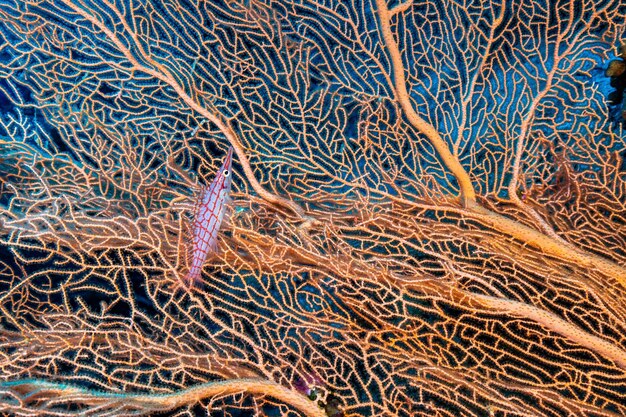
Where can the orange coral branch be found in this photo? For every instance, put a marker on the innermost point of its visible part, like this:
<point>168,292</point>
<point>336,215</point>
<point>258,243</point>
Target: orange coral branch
<point>468,194</point>
<point>555,323</point>
<point>57,394</point>
<point>549,245</point>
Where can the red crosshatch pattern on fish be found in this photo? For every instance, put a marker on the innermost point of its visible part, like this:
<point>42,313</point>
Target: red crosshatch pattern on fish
<point>208,218</point>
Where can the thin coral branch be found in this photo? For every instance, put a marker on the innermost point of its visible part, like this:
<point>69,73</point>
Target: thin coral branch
<point>400,7</point>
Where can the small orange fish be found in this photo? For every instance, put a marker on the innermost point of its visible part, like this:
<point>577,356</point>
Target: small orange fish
<point>208,219</point>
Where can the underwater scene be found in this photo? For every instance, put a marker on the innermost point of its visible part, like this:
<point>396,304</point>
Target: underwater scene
<point>313,208</point>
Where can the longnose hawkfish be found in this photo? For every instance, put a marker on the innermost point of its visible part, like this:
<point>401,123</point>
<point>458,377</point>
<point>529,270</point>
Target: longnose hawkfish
<point>208,218</point>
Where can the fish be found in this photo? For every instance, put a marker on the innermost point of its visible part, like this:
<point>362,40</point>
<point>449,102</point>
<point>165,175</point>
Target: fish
<point>209,214</point>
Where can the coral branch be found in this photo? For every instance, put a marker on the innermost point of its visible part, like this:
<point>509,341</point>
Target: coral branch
<point>551,246</point>
<point>400,7</point>
<point>51,396</point>
<point>468,194</point>
<point>554,323</point>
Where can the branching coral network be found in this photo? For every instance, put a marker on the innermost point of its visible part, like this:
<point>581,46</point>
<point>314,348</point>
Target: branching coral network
<point>429,213</point>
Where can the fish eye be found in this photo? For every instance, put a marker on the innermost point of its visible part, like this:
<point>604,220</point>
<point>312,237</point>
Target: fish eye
<point>226,173</point>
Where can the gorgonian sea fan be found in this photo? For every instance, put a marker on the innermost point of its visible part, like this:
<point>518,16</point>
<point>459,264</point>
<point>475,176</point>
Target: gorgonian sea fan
<point>428,219</point>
